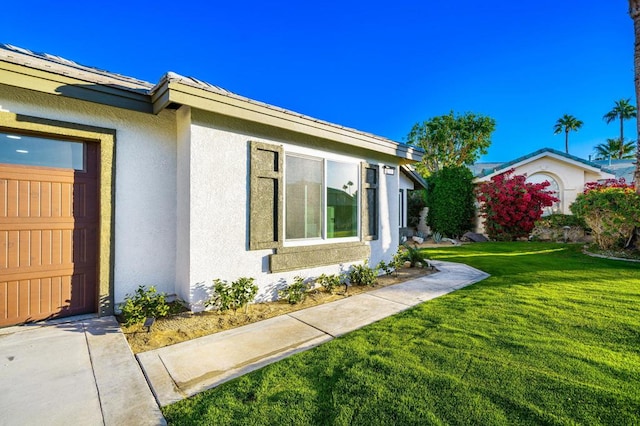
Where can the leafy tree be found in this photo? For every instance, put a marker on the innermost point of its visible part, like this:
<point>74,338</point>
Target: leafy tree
<point>622,110</point>
<point>511,205</point>
<point>451,201</point>
<point>451,140</point>
<point>634,12</point>
<point>566,124</point>
<point>614,148</point>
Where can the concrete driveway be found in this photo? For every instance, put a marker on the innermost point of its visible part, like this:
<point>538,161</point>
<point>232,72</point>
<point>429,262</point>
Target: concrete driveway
<point>80,372</point>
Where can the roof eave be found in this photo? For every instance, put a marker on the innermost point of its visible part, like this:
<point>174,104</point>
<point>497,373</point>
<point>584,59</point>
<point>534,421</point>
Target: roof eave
<point>44,81</point>
<point>174,90</point>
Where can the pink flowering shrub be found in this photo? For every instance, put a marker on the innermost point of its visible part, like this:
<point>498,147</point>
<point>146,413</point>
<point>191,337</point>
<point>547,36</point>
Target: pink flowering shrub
<point>511,206</point>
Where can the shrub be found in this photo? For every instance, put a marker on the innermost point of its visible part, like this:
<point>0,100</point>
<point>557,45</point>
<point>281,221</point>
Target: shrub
<point>416,202</point>
<point>386,267</point>
<point>557,220</point>
<point>437,237</point>
<point>451,201</point>
<point>232,296</point>
<point>511,206</point>
<point>296,292</point>
<point>329,282</point>
<point>144,303</point>
<point>612,213</point>
<point>363,274</point>
<point>413,255</point>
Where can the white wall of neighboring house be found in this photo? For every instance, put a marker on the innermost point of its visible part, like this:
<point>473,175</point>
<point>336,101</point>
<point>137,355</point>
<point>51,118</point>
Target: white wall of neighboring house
<point>145,182</point>
<point>571,177</point>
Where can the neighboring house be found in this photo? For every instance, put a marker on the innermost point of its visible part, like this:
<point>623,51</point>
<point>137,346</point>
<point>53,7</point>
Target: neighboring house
<point>566,173</point>
<point>109,183</point>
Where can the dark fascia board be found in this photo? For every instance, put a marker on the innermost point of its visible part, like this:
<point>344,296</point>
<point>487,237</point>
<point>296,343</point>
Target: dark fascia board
<point>174,90</point>
<point>25,77</point>
<point>414,176</point>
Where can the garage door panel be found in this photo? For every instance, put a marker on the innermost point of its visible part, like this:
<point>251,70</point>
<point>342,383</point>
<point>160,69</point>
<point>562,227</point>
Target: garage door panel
<point>46,297</point>
<point>48,241</point>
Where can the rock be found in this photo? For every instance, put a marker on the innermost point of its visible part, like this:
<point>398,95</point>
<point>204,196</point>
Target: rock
<point>418,240</point>
<point>475,238</point>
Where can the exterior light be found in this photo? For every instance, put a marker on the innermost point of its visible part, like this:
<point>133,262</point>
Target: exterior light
<point>389,170</point>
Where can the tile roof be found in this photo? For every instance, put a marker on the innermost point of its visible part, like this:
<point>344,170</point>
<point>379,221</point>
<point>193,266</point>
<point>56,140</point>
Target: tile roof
<point>58,65</point>
<point>485,169</point>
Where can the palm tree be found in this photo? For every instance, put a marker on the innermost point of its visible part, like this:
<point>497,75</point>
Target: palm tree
<point>614,148</point>
<point>623,110</point>
<point>565,124</point>
<point>634,11</point>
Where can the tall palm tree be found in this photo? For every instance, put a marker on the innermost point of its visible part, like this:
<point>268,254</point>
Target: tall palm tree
<point>565,124</point>
<point>634,11</point>
<point>623,110</point>
<point>614,148</point>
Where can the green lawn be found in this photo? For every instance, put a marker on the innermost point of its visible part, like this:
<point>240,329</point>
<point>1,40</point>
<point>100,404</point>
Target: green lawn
<point>553,337</point>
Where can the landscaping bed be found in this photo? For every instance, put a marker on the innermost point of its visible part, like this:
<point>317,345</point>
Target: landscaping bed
<point>188,325</point>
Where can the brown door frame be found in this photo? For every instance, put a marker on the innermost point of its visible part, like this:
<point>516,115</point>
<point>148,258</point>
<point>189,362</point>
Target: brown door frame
<point>106,140</point>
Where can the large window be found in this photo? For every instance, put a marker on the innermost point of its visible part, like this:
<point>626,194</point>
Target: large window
<point>321,198</point>
<point>554,188</point>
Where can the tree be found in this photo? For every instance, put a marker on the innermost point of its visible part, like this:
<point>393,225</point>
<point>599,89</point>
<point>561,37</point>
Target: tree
<point>613,148</point>
<point>622,110</point>
<point>511,205</point>
<point>634,12</point>
<point>451,140</point>
<point>565,124</point>
<point>451,201</point>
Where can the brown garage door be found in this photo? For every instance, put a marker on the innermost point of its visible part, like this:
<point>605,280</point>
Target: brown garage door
<point>48,228</point>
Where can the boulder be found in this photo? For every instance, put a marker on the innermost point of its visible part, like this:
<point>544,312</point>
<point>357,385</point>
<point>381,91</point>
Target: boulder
<point>475,238</point>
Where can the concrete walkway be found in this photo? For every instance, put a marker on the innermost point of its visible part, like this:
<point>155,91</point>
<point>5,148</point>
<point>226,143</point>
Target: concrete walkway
<point>81,372</point>
<point>184,369</point>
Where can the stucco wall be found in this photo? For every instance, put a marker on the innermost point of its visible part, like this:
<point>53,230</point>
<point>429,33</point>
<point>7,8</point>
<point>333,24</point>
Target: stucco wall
<point>145,181</point>
<point>219,205</point>
<point>570,178</point>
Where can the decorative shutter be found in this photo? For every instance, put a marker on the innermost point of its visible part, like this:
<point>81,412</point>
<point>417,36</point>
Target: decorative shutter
<point>266,196</point>
<point>369,200</point>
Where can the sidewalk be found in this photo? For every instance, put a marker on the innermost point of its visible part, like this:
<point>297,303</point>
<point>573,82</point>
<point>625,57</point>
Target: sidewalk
<point>80,372</point>
<point>185,369</point>
<point>83,372</point>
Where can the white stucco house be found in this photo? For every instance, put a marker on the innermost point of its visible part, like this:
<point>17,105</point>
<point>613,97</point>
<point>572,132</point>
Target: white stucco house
<point>566,173</point>
<point>108,183</point>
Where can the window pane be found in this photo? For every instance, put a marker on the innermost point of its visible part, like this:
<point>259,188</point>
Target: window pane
<point>342,200</point>
<point>35,151</point>
<point>554,188</point>
<point>303,204</point>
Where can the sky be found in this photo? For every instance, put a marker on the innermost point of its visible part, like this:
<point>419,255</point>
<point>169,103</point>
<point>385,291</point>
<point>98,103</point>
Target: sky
<point>376,66</point>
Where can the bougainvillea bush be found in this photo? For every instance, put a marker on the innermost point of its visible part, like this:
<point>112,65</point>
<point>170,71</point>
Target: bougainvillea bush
<point>611,209</point>
<point>511,206</point>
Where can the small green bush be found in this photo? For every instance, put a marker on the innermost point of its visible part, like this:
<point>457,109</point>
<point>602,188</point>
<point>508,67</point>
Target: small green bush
<point>363,274</point>
<point>329,282</point>
<point>558,220</point>
<point>386,267</point>
<point>232,296</point>
<point>296,292</point>
<point>414,255</point>
<point>144,303</point>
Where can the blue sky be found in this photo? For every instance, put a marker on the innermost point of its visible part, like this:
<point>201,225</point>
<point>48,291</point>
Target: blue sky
<point>376,66</point>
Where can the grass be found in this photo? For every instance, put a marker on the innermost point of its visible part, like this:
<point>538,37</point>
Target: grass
<point>553,337</point>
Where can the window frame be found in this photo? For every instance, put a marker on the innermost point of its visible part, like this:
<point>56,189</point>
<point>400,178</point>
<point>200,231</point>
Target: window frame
<point>324,158</point>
